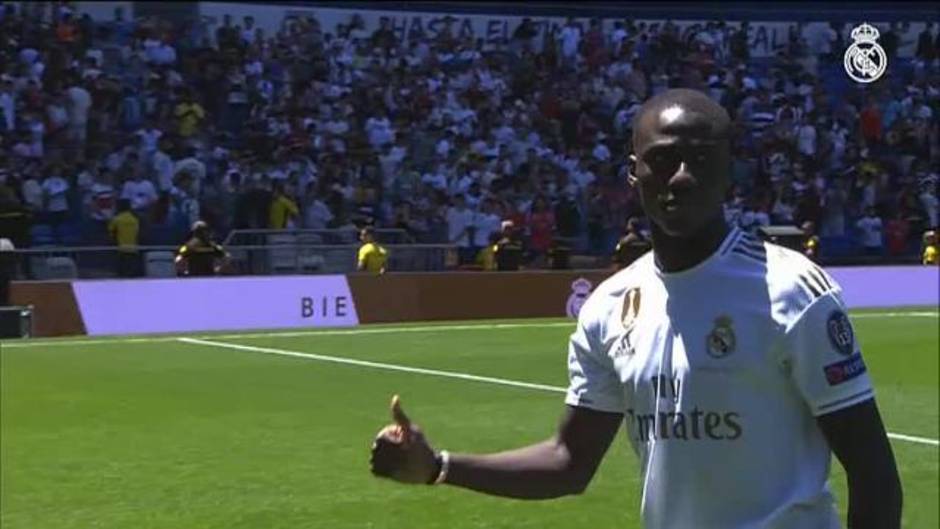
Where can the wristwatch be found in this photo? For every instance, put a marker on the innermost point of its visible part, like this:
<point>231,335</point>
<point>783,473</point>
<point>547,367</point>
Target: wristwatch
<point>442,461</point>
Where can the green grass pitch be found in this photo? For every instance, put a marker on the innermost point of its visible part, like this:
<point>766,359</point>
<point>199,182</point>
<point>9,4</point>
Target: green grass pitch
<point>169,434</point>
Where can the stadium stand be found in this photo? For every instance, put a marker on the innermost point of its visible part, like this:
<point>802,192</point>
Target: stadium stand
<point>202,117</point>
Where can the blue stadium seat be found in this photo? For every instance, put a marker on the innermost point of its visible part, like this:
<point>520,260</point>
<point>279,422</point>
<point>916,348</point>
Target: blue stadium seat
<point>41,235</point>
<point>70,234</point>
<point>838,246</point>
<point>95,233</point>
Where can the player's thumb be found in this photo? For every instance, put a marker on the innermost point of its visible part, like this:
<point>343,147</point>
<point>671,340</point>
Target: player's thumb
<point>398,415</point>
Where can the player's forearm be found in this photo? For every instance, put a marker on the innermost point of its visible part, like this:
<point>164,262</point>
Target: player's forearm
<point>875,500</point>
<point>541,471</point>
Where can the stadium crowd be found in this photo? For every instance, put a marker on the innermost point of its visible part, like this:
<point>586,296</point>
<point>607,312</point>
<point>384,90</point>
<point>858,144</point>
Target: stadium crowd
<point>444,137</point>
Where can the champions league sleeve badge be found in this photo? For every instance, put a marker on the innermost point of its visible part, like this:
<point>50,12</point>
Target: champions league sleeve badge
<point>721,341</point>
<point>840,332</point>
<point>865,61</point>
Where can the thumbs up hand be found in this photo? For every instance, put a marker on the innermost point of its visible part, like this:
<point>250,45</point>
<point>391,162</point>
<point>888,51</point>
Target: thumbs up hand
<point>400,451</point>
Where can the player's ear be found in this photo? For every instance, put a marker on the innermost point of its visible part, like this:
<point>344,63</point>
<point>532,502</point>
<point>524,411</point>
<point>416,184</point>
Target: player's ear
<point>631,170</point>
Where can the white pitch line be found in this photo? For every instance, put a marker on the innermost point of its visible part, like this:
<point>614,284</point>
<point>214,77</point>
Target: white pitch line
<point>377,365</point>
<point>914,439</point>
<point>295,334</point>
<point>438,373</point>
<point>360,331</point>
<point>919,314</point>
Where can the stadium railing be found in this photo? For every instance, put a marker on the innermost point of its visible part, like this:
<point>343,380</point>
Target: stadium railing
<point>102,262</point>
<point>312,236</point>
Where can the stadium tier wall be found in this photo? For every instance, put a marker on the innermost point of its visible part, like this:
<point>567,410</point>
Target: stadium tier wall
<point>148,306</point>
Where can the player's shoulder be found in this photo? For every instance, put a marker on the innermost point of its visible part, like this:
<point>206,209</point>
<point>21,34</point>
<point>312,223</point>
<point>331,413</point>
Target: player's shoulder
<point>608,295</point>
<point>795,282</point>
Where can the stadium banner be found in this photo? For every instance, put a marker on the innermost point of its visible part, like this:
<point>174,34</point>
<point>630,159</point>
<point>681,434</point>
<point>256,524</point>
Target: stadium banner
<point>888,286</point>
<point>766,38</point>
<point>214,304</point>
<point>255,303</point>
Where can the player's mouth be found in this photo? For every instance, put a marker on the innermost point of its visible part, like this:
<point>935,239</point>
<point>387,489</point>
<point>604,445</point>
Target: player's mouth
<point>672,205</point>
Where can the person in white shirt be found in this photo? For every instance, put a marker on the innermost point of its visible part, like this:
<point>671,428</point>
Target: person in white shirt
<point>486,223</point>
<point>601,152</point>
<point>163,170</point>
<point>7,106</point>
<point>54,190</point>
<point>140,192</point>
<point>79,105</point>
<point>149,138</point>
<point>871,232</point>
<point>317,214</point>
<point>806,138</point>
<point>194,166</point>
<point>436,178</point>
<point>460,229</point>
<point>731,362</point>
<point>32,193</point>
<point>570,37</point>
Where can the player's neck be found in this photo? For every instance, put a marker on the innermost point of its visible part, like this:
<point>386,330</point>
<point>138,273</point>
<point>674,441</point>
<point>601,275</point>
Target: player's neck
<point>675,254</point>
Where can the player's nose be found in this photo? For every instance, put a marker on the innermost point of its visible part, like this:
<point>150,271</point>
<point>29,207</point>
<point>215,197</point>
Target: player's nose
<point>682,181</point>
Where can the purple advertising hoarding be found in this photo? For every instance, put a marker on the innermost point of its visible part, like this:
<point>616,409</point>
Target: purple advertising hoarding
<point>215,304</point>
<point>888,286</point>
<point>254,303</point>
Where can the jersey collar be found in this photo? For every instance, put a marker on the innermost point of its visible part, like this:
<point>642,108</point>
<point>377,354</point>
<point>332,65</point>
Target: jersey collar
<point>723,249</point>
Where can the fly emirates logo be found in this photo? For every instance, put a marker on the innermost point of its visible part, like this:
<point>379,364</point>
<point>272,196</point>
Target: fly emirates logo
<point>690,425</point>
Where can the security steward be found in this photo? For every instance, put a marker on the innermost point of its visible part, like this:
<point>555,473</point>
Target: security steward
<point>508,252</point>
<point>201,256</point>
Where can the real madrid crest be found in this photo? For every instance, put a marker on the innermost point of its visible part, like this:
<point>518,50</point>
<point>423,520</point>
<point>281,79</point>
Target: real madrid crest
<point>865,61</point>
<point>721,341</point>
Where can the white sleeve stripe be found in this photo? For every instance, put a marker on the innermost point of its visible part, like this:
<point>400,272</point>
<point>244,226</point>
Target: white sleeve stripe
<point>845,400</point>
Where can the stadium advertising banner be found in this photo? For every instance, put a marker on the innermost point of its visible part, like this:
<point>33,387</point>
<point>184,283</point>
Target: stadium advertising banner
<point>214,304</point>
<point>766,38</point>
<point>888,286</point>
<point>257,303</point>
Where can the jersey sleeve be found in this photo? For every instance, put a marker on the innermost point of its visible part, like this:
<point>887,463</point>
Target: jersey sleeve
<point>825,359</point>
<point>592,380</point>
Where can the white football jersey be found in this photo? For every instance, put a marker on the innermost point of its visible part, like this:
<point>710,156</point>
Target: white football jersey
<point>720,371</point>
